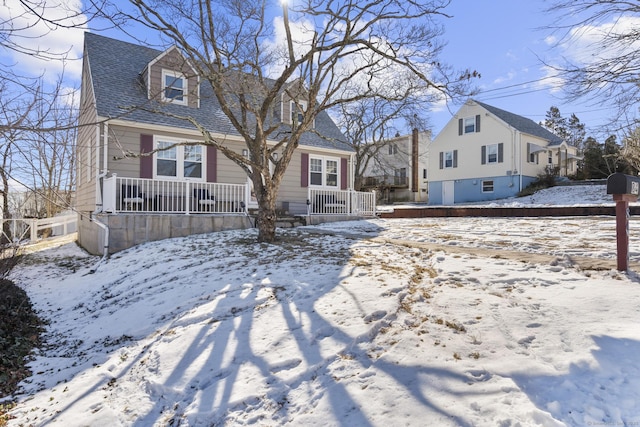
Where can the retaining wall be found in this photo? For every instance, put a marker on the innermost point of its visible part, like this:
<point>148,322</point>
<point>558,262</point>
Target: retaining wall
<point>472,211</point>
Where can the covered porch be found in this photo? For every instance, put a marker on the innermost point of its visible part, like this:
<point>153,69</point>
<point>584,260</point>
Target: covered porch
<point>152,196</point>
<point>139,210</point>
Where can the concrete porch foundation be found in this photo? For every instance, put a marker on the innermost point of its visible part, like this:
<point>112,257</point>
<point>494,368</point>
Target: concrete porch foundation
<point>128,230</point>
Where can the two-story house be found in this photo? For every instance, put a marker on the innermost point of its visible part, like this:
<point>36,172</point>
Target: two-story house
<point>398,172</point>
<point>485,153</point>
<point>132,102</point>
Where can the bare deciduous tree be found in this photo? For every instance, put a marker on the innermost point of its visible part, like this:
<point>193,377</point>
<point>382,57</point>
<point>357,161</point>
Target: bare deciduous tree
<point>330,53</point>
<point>631,148</point>
<point>38,119</point>
<point>368,124</point>
<point>607,66</point>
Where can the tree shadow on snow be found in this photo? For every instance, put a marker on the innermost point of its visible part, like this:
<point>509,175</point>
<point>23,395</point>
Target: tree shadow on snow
<point>604,392</point>
<point>211,394</point>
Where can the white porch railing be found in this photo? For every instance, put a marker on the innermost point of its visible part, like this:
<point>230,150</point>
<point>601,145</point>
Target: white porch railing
<point>186,197</point>
<point>341,202</point>
<point>163,196</point>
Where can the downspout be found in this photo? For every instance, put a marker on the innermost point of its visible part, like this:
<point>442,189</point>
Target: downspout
<point>513,154</point>
<point>352,175</point>
<point>520,156</point>
<point>99,177</point>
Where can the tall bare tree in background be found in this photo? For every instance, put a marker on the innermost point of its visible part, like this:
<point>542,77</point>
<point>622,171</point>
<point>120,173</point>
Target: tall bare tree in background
<point>48,155</point>
<point>38,118</point>
<point>336,52</point>
<point>368,124</point>
<point>607,69</point>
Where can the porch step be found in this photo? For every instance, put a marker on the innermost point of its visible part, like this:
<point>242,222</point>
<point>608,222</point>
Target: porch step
<point>291,221</point>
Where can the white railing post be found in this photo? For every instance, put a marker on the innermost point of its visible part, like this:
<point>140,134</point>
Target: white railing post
<point>34,230</point>
<point>109,194</point>
<point>247,196</point>
<point>187,198</point>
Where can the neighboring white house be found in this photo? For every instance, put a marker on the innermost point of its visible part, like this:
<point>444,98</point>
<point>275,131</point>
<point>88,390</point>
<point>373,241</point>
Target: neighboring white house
<point>399,170</point>
<point>485,153</point>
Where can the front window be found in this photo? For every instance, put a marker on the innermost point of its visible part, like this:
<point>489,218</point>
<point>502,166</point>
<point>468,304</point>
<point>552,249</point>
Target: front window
<point>323,171</point>
<point>393,148</point>
<point>332,173</point>
<point>487,186</point>
<point>492,153</point>
<point>315,168</point>
<point>166,159</point>
<point>174,87</point>
<point>469,125</point>
<point>179,161</point>
<point>193,161</point>
<point>448,159</point>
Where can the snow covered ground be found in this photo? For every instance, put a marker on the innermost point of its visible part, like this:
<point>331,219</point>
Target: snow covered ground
<point>443,322</point>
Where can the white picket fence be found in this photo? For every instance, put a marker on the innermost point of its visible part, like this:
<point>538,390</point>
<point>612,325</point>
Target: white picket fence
<point>28,230</point>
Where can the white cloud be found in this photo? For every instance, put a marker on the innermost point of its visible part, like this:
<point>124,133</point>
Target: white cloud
<point>585,42</point>
<point>302,33</point>
<point>509,77</point>
<point>59,41</point>
<point>550,80</point>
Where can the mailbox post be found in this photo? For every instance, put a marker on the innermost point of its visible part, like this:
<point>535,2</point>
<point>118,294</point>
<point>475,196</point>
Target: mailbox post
<point>625,189</point>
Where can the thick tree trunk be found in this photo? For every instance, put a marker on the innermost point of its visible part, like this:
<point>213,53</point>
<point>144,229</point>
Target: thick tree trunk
<point>266,221</point>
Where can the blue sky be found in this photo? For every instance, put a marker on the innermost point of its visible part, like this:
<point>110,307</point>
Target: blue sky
<point>501,39</point>
<point>505,41</point>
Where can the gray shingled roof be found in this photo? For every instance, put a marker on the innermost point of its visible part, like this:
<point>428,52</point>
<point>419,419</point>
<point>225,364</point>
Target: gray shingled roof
<point>522,124</point>
<point>115,69</point>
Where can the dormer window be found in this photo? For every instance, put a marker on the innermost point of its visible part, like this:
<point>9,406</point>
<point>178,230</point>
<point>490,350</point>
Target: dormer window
<point>174,87</point>
<point>298,109</point>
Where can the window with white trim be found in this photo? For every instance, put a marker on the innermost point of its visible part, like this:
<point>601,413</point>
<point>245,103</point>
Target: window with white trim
<point>492,153</point>
<point>393,149</point>
<point>550,161</point>
<point>487,186</point>
<point>469,125</point>
<point>448,159</point>
<point>178,161</point>
<point>174,87</point>
<point>323,171</point>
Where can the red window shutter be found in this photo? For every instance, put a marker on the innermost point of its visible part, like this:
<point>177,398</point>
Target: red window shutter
<point>304,175</point>
<point>212,163</point>
<point>146,162</point>
<point>343,174</point>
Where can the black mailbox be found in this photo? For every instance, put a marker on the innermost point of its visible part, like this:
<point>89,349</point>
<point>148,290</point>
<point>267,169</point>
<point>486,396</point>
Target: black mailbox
<point>619,183</point>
